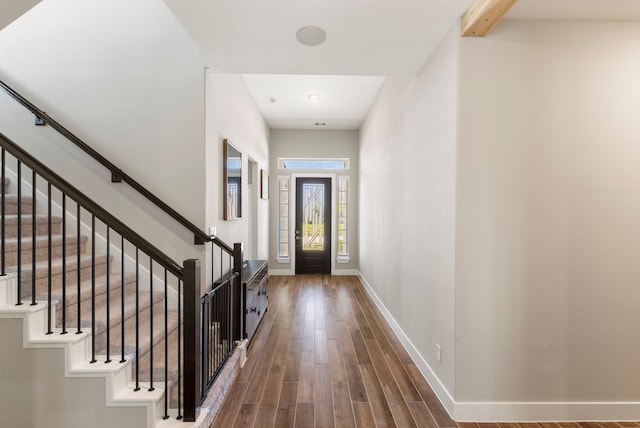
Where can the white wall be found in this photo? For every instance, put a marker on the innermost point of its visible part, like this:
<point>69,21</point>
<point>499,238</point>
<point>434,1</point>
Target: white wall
<point>315,144</point>
<point>547,220</point>
<point>512,161</point>
<point>407,197</point>
<point>124,77</point>
<point>233,114</point>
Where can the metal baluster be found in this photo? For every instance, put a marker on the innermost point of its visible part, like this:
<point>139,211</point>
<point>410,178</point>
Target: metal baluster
<point>215,320</point>
<point>19,234</point>
<point>221,315</point>
<point>204,334</point>
<point>217,316</point>
<point>93,289</point>
<point>64,264</point>
<point>108,332</point>
<point>4,224</point>
<point>33,237</point>
<point>78,274</point>
<point>213,274</point>
<point>179,349</point>
<point>151,388</point>
<point>137,321</point>
<point>206,342</point>
<point>50,254</point>
<point>122,359</point>
<point>231,279</point>
<point>216,334</point>
<point>166,349</point>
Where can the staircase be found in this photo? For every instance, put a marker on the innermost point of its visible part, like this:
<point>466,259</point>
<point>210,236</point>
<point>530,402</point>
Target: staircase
<point>126,313</point>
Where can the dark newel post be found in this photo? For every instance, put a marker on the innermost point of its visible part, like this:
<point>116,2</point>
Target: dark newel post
<point>238,299</point>
<point>192,331</point>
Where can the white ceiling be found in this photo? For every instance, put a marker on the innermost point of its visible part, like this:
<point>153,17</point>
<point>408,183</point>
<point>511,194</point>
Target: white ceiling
<point>366,40</point>
<point>364,37</point>
<point>284,99</point>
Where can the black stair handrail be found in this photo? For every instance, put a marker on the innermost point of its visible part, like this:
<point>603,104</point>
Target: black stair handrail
<point>91,206</point>
<point>117,174</point>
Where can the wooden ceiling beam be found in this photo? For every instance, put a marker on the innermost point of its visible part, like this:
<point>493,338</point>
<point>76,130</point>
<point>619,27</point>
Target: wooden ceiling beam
<point>483,15</point>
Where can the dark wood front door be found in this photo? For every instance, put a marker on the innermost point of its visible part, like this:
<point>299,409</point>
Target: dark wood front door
<point>313,225</point>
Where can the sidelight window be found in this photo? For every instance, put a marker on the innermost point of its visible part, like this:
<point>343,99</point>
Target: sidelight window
<point>283,218</point>
<point>343,218</point>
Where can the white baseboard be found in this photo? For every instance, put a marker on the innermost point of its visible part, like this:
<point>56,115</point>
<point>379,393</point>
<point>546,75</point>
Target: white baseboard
<point>546,412</point>
<point>337,272</point>
<point>346,272</point>
<point>281,272</point>
<point>507,411</point>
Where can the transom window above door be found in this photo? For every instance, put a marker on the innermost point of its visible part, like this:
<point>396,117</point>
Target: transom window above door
<point>313,164</point>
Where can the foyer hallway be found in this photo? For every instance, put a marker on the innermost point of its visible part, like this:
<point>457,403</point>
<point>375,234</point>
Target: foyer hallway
<point>324,356</point>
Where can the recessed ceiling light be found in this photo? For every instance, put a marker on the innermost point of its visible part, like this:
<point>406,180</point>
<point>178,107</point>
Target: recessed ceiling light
<point>314,97</point>
<point>272,100</point>
<point>311,36</point>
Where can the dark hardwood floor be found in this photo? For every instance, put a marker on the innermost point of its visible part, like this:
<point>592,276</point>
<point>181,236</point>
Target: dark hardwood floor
<point>324,356</point>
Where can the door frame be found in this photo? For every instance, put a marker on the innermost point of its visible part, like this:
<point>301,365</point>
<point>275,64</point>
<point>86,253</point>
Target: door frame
<point>292,215</point>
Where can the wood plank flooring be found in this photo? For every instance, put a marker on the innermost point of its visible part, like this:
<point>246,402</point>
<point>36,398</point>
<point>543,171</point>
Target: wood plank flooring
<point>323,356</point>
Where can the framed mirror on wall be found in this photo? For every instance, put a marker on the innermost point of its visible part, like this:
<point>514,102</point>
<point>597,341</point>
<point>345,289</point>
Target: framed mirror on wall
<point>232,181</point>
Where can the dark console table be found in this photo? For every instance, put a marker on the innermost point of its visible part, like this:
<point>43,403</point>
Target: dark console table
<point>255,281</point>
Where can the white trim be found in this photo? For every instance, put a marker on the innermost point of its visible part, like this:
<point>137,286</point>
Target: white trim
<point>547,411</point>
<point>506,411</point>
<point>344,259</point>
<point>281,272</point>
<point>283,260</point>
<point>346,272</point>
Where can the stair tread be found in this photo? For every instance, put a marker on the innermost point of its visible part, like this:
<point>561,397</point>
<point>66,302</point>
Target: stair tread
<point>12,198</point>
<point>57,263</point>
<point>41,241</point>
<point>13,218</point>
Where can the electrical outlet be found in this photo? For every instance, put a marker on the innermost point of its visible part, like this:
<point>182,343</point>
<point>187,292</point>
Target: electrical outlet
<point>437,353</point>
